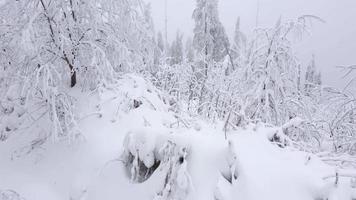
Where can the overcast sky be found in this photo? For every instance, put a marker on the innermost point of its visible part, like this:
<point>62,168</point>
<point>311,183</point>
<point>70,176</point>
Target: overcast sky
<point>333,43</point>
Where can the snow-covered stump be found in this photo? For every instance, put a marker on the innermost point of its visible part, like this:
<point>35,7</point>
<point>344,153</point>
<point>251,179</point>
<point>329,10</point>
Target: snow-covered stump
<point>143,155</point>
<point>139,172</point>
<point>177,183</point>
<point>139,156</point>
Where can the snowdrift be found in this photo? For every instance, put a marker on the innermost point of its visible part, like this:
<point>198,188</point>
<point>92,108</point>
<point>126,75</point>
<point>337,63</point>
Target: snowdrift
<point>134,147</point>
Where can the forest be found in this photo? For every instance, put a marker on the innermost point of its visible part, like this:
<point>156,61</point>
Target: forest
<point>97,104</point>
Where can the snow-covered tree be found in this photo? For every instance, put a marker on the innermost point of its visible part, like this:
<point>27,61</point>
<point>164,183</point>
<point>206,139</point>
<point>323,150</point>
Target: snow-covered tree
<point>189,51</point>
<point>312,79</point>
<point>210,41</point>
<point>239,45</point>
<point>176,51</point>
<point>86,43</point>
<point>160,42</point>
<point>272,73</point>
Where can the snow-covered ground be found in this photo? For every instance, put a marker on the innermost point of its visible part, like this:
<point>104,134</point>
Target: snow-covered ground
<point>131,126</point>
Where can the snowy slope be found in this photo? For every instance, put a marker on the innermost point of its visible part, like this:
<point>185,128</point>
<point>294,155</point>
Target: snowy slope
<point>132,118</point>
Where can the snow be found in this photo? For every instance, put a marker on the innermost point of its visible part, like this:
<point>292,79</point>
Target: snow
<point>245,166</point>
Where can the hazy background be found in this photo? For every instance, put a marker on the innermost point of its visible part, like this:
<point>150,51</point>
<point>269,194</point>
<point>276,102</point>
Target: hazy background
<point>333,43</point>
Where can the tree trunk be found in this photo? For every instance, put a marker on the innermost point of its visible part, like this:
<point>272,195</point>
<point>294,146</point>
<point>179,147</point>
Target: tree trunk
<point>73,74</point>
<point>73,78</point>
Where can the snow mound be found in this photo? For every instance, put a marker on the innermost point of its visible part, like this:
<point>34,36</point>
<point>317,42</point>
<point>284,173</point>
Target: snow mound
<point>134,148</point>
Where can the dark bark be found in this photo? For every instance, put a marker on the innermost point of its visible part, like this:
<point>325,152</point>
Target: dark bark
<point>73,74</point>
<point>73,79</point>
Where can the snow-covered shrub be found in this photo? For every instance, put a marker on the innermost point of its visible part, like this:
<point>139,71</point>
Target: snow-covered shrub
<point>340,120</point>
